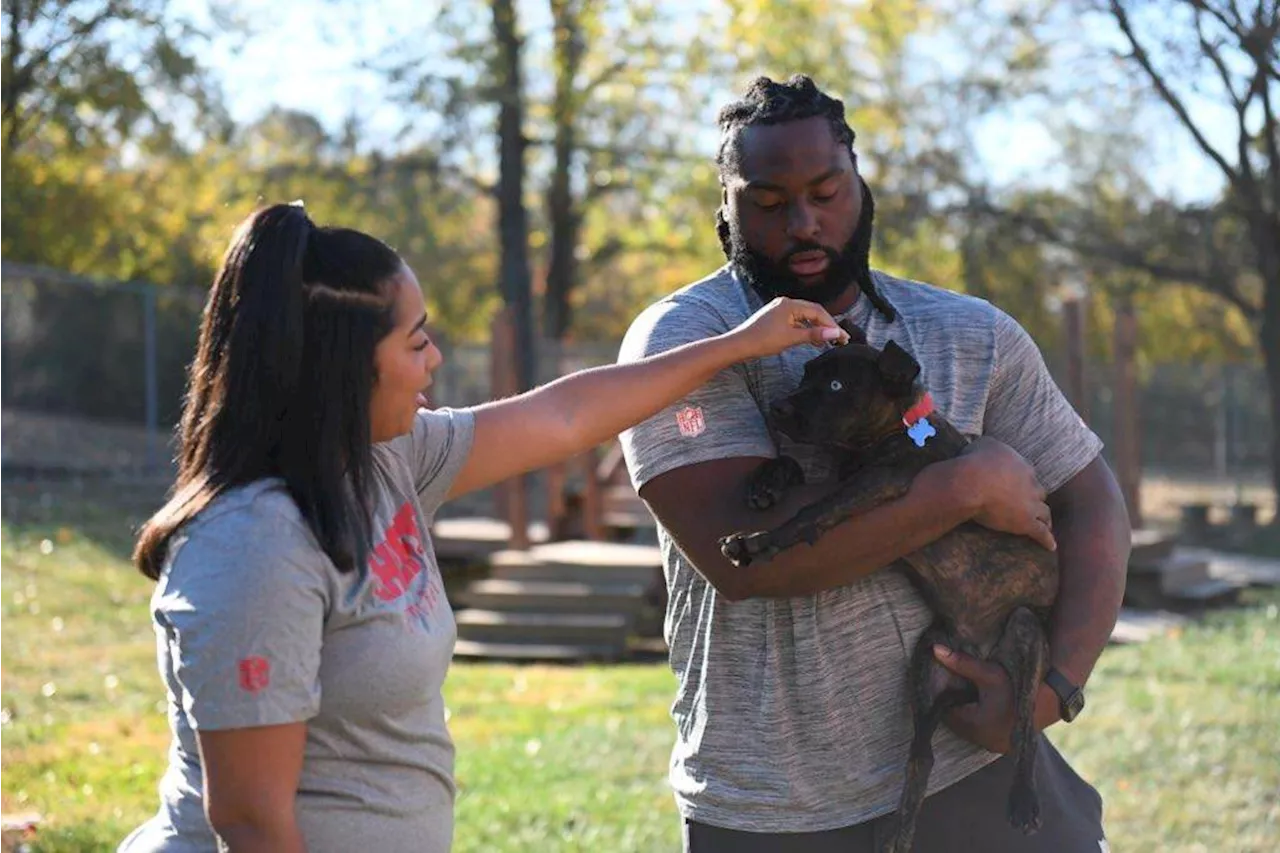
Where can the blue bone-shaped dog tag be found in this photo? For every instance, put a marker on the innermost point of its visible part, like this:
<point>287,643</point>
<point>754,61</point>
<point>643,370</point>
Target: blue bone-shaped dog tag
<point>921,431</point>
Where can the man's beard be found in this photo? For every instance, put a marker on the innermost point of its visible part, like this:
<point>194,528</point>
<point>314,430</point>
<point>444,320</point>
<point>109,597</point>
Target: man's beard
<point>849,266</point>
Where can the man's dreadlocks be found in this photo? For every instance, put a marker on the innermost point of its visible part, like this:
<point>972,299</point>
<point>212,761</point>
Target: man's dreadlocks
<point>768,102</point>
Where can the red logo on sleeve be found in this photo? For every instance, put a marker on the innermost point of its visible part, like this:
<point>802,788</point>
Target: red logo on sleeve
<point>255,673</point>
<point>691,422</point>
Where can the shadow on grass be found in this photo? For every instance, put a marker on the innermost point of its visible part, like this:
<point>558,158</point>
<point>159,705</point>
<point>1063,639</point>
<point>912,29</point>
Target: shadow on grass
<point>107,514</point>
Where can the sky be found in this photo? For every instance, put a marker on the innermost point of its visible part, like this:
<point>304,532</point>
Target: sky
<point>308,55</point>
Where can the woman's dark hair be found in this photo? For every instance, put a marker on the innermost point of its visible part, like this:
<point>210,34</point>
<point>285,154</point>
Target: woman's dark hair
<point>282,380</point>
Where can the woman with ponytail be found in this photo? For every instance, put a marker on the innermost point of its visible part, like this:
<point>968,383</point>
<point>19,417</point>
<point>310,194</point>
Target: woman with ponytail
<point>302,629</point>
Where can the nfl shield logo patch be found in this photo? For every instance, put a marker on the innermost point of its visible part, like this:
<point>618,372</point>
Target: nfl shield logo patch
<point>690,421</point>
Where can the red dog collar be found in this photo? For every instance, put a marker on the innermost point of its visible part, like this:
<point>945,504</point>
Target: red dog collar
<point>919,411</point>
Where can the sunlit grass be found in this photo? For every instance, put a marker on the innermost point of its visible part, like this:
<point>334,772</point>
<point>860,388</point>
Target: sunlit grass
<point>1180,734</point>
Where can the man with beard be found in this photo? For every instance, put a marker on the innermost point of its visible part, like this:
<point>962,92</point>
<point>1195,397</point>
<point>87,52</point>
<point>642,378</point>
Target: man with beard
<point>791,710</point>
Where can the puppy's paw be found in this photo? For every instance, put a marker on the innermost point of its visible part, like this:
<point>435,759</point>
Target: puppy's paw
<point>762,494</point>
<point>734,548</point>
<point>742,549</point>
<point>1024,809</point>
<point>771,481</point>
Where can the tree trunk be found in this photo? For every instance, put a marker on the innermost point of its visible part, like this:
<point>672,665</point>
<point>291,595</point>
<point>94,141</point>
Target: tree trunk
<point>13,89</point>
<point>1073,314</point>
<point>513,219</point>
<point>1128,440</point>
<point>1269,330</point>
<point>562,211</point>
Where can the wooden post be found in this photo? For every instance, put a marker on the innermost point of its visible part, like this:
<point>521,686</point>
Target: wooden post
<point>1073,318</point>
<point>1128,434</point>
<point>510,496</point>
<point>592,500</point>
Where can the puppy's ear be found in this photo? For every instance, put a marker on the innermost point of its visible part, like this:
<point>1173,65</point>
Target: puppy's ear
<point>856,335</point>
<point>897,367</point>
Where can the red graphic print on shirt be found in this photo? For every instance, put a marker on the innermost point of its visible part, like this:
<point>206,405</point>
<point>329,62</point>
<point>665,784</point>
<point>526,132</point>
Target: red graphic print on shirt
<point>397,560</point>
<point>255,673</point>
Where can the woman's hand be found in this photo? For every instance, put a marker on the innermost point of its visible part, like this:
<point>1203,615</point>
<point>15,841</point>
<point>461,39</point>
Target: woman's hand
<point>785,323</point>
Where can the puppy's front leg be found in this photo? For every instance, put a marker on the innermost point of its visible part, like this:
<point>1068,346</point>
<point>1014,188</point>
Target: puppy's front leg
<point>871,488</point>
<point>770,482</point>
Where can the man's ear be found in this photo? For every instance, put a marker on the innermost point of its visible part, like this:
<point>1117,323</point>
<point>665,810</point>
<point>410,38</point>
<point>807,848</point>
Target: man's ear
<point>897,367</point>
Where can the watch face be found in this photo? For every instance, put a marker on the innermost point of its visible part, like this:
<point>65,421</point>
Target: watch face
<point>1073,706</point>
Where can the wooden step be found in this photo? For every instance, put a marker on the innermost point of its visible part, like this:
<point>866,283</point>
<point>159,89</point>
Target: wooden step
<point>580,562</point>
<point>1241,568</point>
<point>498,626</point>
<point>1146,592</point>
<point>1150,547</point>
<point>552,596</point>
<point>1138,626</point>
<point>1172,573</point>
<point>539,651</point>
<point>1210,592</point>
<point>474,539</point>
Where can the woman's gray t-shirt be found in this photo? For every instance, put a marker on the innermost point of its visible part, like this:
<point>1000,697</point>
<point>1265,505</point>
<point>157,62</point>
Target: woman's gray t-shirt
<point>255,626</point>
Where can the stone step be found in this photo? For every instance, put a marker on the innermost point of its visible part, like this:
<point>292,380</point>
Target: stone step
<point>539,651</point>
<point>552,596</point>
<point>498,626</point>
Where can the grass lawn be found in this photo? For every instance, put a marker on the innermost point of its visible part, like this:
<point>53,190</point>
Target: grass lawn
<point>1180,734</point>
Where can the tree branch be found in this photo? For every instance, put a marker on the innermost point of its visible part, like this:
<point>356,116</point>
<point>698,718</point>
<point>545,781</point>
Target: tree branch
<point>1224,73</point>
<point>1236,27</point>
<point>1174,102</point>
<point>1125,256</point>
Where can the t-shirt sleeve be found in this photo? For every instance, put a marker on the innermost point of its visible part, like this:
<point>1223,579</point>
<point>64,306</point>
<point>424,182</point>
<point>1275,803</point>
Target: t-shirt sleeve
<point>436,450</point>
<point>243,606</point>
<point>720,420</point>
<point>1028,411</point>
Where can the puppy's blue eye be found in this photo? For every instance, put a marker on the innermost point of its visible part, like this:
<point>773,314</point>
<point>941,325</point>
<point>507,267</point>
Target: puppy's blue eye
<point>836,385</point>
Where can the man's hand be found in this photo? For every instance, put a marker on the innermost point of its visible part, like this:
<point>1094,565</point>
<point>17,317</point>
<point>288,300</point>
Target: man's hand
<point>1006,493</point>
<point>989,721</point>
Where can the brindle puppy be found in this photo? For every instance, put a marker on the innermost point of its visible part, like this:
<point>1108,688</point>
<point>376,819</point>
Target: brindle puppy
<point>990,592</point>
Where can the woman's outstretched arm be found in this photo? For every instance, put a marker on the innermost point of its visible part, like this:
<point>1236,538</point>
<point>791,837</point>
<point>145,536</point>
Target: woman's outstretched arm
<point>577,412</point>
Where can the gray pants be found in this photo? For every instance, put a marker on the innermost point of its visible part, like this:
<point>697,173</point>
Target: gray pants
<point>967,817</point>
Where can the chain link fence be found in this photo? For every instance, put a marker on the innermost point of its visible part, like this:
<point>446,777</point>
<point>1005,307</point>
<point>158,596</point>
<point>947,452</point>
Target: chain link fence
<point>93,374</point>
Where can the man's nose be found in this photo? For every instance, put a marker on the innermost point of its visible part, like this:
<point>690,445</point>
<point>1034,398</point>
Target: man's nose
<point>802,222</point>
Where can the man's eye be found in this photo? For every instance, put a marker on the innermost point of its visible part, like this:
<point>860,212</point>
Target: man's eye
<point>837,385</point>
<point>824,197</point>
<point>769,206</point>
<point>426,342</point>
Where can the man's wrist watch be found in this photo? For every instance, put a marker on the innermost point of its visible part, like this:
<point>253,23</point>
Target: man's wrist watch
<point>1070,697</point>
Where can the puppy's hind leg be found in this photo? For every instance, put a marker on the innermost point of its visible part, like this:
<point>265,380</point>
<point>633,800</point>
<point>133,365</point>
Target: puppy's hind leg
<point>931,699</point>
<point>1023,651</point>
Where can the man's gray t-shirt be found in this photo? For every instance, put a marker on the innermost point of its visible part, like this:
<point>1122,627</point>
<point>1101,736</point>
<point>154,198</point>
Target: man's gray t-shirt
<point>791,714</point>
<point>255,626</point>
